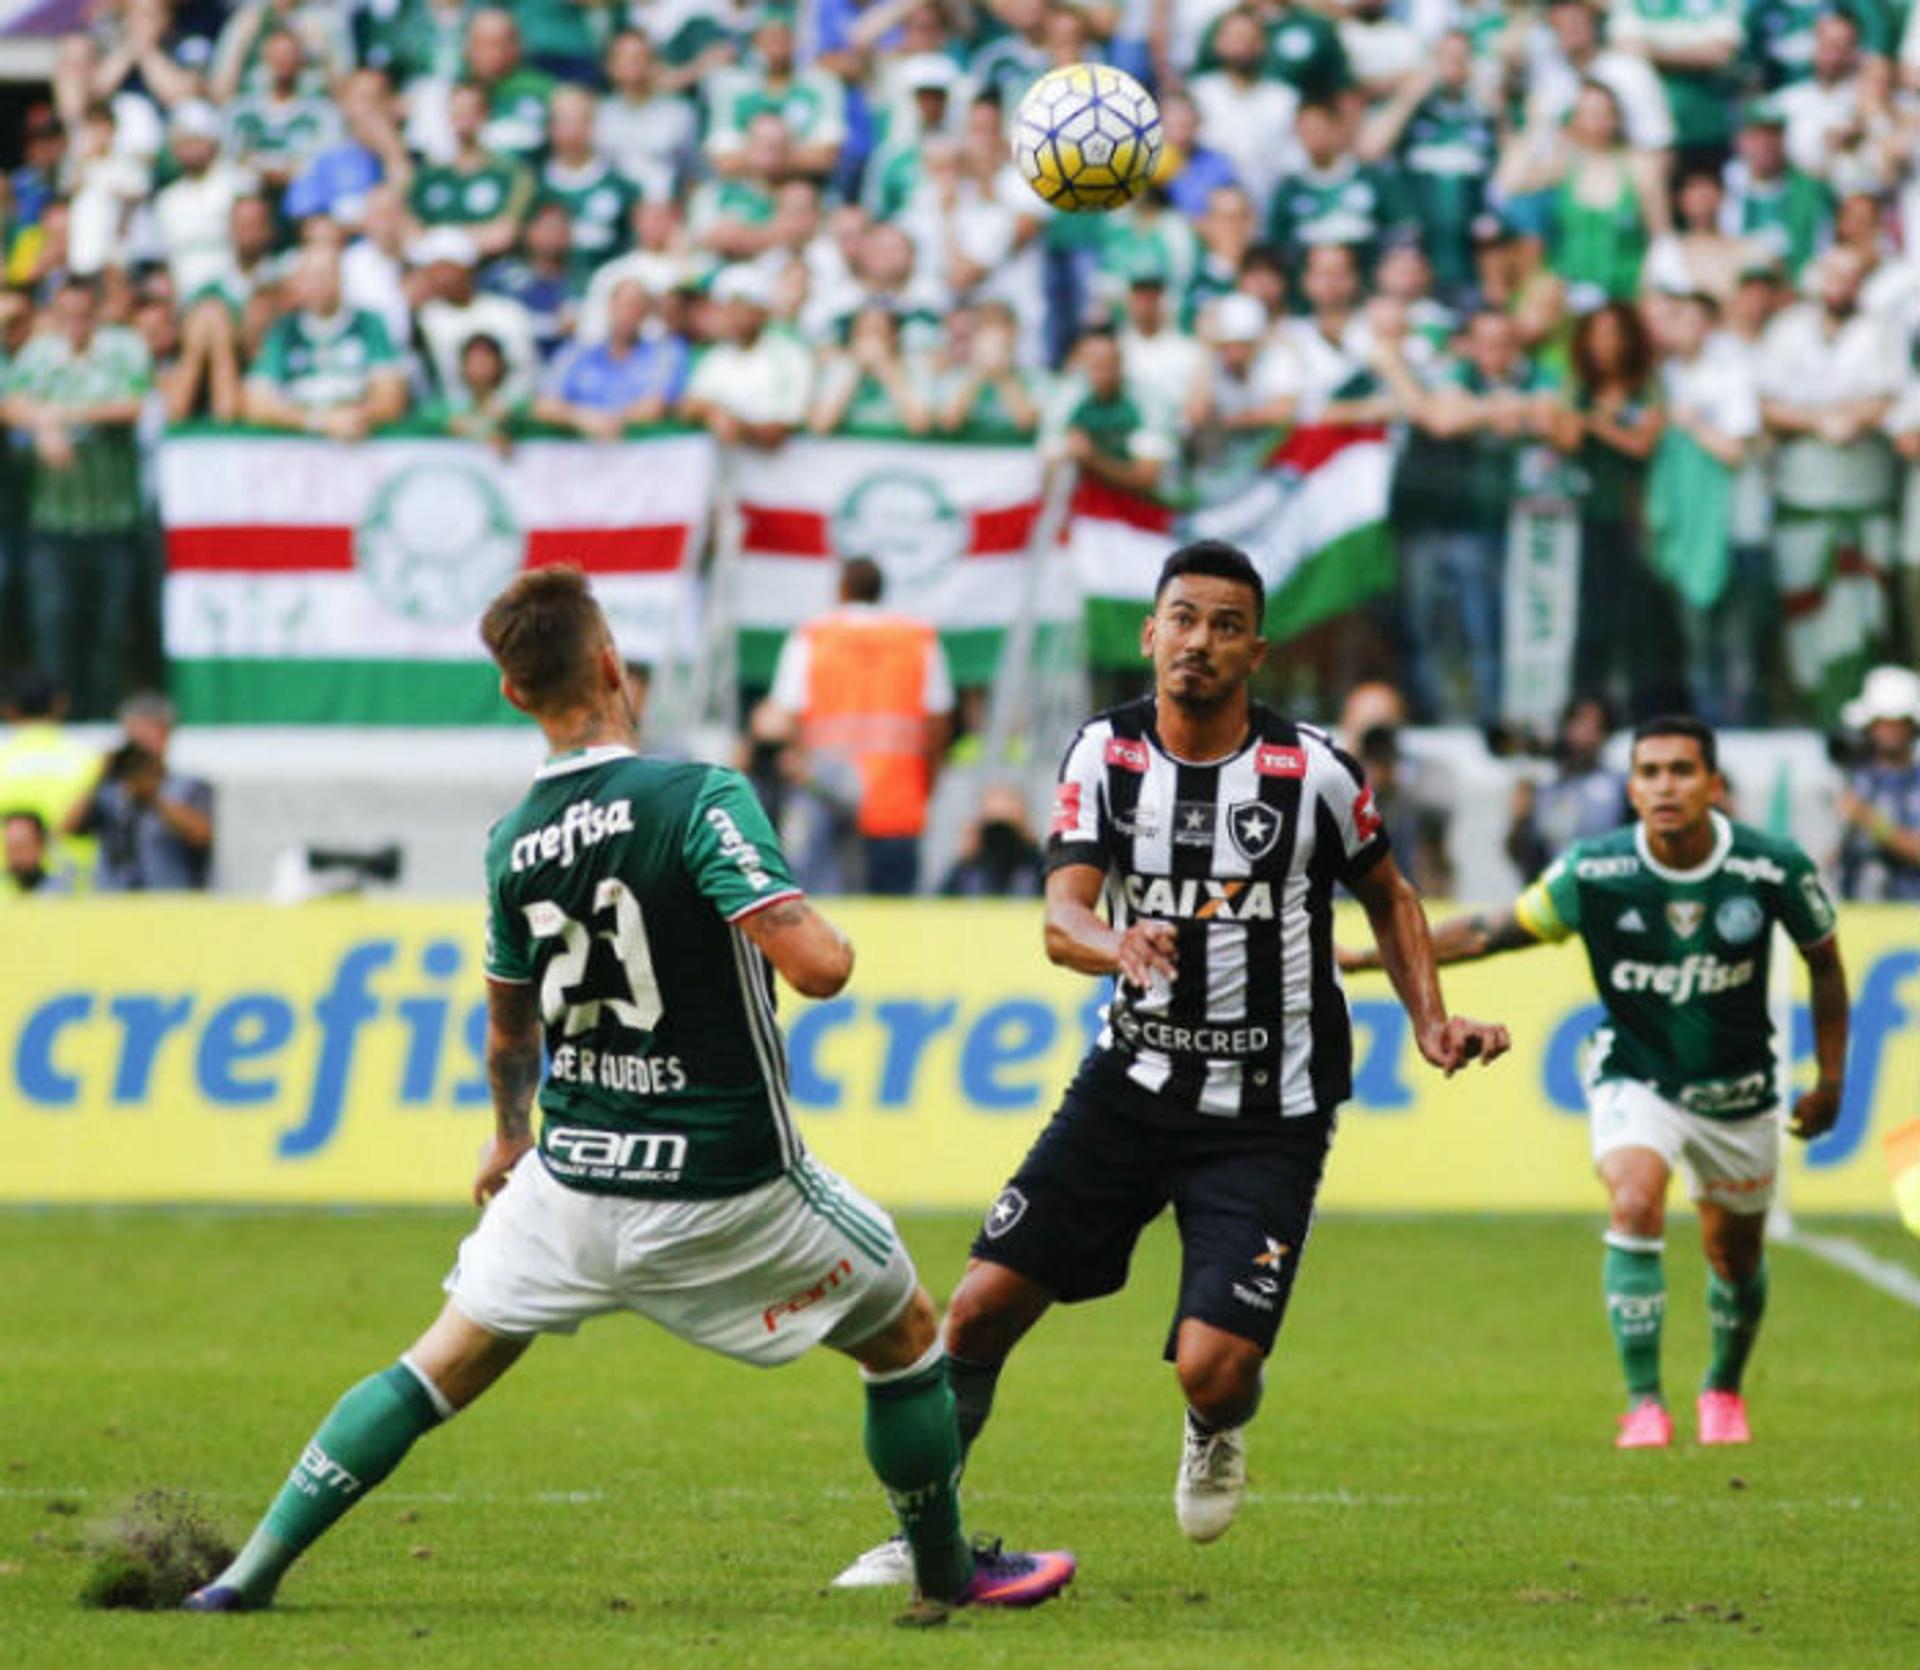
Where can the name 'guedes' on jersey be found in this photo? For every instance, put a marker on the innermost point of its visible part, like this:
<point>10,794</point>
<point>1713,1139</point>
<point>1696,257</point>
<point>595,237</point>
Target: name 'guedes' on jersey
<point>1241,855</point>
<point>667,1077</point>
<point>1680,957</point>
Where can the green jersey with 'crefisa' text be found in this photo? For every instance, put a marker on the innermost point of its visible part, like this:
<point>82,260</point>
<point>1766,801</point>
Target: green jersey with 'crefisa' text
<point>617,888</point>
<point>1680,957</point>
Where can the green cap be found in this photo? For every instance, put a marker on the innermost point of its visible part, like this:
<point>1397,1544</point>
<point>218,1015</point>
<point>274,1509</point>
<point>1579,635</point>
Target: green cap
<point>1763,113</point>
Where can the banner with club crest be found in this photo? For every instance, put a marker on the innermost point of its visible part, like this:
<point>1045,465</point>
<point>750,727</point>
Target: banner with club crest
<point>949,523</point>
<point>312,582</point>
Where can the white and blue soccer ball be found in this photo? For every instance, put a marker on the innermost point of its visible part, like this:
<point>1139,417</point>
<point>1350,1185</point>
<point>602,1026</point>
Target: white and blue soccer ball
<point>1087,137</point>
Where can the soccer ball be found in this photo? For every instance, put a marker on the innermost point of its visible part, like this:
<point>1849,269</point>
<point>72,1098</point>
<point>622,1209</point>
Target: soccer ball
<point>1087,137</point>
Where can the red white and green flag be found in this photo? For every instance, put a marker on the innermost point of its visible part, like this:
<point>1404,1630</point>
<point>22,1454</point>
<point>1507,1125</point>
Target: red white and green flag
<point>310,582</point>
<point>1314,522</point>
<point>948,522</point>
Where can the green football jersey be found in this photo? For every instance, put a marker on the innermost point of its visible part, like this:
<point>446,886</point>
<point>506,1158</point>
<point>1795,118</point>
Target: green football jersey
<point>324,362</point>
<point>616,888</point>
<point>267,131</point>
<point>1680,957</point>
<point>450,196</point>
<point>1348,203</point>
<point>599,203</point>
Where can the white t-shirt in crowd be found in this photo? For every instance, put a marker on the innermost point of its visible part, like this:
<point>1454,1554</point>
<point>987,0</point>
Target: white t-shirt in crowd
<point>1252,127</point>
<point>1812,112</point>
<point>1646,119</point>
<point>193,220</point>
<point>771,382</point>
<point>1802,365</point>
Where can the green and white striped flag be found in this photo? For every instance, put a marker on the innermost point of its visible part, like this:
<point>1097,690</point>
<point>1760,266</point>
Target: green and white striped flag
<point>1314,522</point>
<point>310,582</point>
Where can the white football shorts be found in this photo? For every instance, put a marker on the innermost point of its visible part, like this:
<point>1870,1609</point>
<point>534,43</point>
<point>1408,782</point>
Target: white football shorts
<point>1731,1163</point>
<point>763,1276</point>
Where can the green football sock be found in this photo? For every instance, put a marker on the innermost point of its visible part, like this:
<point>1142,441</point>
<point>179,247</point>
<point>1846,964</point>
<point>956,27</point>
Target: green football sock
<point>914,1447</point>
<point>1636,1305</point>
<point>973,1388</point>
<point>1734,1310</point>
<point>357,1446</point>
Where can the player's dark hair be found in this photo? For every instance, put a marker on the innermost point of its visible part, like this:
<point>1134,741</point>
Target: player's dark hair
<point>541,632</point>
<point>861,580</point>
<point>1682,724</point>
<point>1217,560</point>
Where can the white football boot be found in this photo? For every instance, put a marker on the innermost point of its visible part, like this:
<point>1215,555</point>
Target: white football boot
<point>881,1567</point>
<point>1213,1477</point>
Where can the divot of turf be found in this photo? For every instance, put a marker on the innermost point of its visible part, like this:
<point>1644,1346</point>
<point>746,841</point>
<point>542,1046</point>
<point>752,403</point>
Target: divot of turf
<point>154,1555</point>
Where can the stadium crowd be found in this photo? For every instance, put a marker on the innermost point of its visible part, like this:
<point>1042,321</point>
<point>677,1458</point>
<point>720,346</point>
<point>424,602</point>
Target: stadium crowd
<point>1652,262</point>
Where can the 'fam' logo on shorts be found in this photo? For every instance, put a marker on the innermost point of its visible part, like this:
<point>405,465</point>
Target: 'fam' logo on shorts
<point>1005,1212</point>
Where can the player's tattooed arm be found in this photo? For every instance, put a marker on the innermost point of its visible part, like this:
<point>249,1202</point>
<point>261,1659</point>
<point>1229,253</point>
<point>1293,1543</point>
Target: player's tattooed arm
<point>812,955</point>
<point>513,1075</point>
<point>513,1055</point>
<point>1459,939</point>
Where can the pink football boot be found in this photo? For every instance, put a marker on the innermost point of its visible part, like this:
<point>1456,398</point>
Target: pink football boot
<point>1723,1418</point>
<point>1646,1426</point>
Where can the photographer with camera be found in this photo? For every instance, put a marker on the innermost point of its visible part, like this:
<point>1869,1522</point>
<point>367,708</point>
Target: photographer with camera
<point>155,827</point>
<point>1880,806</point>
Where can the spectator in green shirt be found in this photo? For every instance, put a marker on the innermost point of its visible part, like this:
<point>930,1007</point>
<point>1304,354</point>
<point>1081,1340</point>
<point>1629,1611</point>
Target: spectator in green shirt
<point>1330,196</point>
<point>274,133</point>
<point>733,217</point>
<point>1446,146</point>
<point>77,389</point>
<point>1452,491</point>
<point>810,102</point>
<point>412,40</point>
<point>1107,437</point>
<point>869,386</point>
<point>598,200</point>
<point>1627,640</point>
<point>1769,201</point>
<point>325,369</point>
<point>240,56</point>
<point>1695,46</point>
<point>516,94</point>
<point>987,396</point>
<point>1609,201</point>
<point>1303,48</point>
<point>481,192</point>
<point>1780,34</point>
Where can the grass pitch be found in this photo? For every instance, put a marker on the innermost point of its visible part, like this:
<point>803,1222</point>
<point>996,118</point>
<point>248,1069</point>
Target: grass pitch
<point>1433,1486</point>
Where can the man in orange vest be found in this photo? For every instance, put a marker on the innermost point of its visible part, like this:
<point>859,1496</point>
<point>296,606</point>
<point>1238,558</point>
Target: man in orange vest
<point>872,686</point>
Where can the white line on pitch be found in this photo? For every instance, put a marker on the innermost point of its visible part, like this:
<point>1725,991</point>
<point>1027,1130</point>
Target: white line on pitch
<point>1283,1498</point>
<point>1894,1280</point>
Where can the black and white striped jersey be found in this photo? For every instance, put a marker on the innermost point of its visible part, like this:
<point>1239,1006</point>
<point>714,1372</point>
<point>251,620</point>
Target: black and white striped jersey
<point>1241,855</point>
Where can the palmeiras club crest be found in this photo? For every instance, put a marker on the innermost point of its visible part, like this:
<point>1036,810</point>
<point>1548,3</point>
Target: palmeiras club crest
<point>903,521</point>
<point>1684,916</point>
<point>437,542</point>
<point>1254,827</point>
